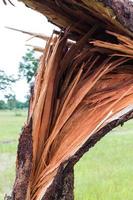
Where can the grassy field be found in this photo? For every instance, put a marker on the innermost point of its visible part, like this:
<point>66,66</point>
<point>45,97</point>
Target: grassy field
<point>104,173</point>
<point>10,128</point>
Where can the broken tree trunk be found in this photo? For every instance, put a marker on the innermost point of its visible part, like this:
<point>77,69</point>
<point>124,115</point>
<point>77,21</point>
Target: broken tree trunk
<point>82,91</point>
<point>66,171</point>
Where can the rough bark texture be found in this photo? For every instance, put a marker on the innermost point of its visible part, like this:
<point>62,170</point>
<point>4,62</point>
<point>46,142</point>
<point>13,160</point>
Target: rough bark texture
<point>24,164</point>
<point>63,185</point>
<point>123,10</point>
<point>118,15</point>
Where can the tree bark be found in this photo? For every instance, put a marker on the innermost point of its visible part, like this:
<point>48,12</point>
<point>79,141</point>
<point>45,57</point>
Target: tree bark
<point>23,165</point>
<point>63,185</point>
<point>117,14</point>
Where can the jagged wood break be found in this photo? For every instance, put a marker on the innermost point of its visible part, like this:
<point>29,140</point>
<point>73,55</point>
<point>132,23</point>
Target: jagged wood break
<point>83,89</point>
<point>79,90</point>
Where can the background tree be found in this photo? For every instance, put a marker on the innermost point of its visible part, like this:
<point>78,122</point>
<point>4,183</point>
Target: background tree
<point>3,105</point>
<point>5,80</point>
<point>11,101</point>
<point>28,65</point>
<point>27,69</point>
<point>6,88</point>
<point>22,105</point>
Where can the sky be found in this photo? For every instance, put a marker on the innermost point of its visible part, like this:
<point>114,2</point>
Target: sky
<point>13,44</point>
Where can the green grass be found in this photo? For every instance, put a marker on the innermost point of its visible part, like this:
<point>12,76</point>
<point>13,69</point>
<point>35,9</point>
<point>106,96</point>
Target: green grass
<point>10,127</point>
<point>104,173</point>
